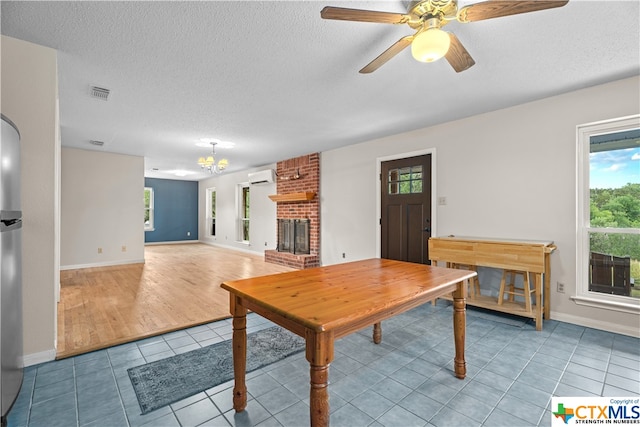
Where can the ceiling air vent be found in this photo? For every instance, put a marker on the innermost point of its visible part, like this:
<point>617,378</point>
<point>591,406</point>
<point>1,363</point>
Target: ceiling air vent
<point>99,93</point>
<point>98,143</point>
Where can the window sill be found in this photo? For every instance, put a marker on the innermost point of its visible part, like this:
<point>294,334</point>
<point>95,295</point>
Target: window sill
<point>607,304</point>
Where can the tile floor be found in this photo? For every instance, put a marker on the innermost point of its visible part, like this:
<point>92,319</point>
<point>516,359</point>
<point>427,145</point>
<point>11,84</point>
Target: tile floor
<point>405,381</point>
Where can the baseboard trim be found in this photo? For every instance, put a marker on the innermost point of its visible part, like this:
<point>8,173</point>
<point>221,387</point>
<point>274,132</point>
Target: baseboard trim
<point>37,358</point>
<point>101,264</point>
<point>233,248</point>
<point>631,331</point>
<point>172,242</point>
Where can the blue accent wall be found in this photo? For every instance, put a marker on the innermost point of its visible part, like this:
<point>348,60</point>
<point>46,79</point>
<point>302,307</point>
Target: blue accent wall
<point>175,210</point>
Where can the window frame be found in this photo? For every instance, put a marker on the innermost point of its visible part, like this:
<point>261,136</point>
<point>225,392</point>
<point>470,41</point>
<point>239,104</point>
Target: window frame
<point>242,209</point>
<point>583,296</point>
<point>151,225</point>
<point>209,215</point>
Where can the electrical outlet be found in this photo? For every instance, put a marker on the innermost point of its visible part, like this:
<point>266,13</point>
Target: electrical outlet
<point>124,249</point>
<point>188,233</point>
<point>344,255</point>
<point>560,287</point>
<point>99,250</point>
<point>442,201</point>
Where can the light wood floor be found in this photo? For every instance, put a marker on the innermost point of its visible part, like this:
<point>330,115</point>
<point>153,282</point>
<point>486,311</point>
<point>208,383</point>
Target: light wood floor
<point>177,287</point>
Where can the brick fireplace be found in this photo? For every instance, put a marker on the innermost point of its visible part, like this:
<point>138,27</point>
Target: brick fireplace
<point>298,201</point>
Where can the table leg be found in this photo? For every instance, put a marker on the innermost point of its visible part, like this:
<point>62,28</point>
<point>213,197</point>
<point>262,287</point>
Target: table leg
<point>538,286</point>
<point>377,333</point>
<point>547,287</point>
<point>319,353</point>
<point>239,343</point>
<point>459,328</point>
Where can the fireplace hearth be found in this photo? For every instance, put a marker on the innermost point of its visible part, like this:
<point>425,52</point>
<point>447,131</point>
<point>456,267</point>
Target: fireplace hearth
<point>294,236</point>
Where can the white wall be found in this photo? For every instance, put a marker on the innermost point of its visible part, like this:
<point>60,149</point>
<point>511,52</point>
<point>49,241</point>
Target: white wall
<point>102,207</point>
<point>29,99</point>
<point>262,232</point>
<point>509,173</point>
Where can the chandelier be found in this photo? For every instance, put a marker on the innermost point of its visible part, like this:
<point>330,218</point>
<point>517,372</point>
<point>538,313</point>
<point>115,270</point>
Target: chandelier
<point>209,162</point>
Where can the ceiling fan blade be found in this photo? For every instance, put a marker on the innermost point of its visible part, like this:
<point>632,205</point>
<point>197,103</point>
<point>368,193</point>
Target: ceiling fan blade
<point>458,56</point>
<point>395,49</point>
<point>498,8</point>
<point>360,15</point>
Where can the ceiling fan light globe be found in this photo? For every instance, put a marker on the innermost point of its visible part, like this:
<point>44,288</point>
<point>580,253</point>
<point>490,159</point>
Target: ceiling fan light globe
<point>430,45</point>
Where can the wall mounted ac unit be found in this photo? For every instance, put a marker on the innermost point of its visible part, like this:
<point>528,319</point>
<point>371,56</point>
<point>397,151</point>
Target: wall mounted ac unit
<point>266,176</point>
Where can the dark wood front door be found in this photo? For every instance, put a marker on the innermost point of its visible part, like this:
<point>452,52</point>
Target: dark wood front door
<point>406,209</point>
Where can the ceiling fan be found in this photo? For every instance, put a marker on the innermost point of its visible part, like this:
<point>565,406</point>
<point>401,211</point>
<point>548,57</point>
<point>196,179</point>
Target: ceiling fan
<point>429,43</point>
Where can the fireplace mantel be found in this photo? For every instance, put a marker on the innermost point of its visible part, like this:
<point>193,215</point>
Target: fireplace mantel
<point>293,197</point>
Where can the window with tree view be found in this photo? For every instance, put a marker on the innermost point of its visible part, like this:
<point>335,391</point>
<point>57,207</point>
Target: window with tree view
<point>406,180</point>
<point>148,208</point>
<point>613,229</point>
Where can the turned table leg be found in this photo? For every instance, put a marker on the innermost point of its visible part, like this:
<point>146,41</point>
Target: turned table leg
<point>239,342</point>
<point>459,328</point>
<point>319,352</point>
<point>377,333</point>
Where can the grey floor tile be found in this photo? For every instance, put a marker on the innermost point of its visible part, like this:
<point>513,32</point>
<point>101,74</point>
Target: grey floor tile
<point>583,383</point>
<point>252,415</point>
<point>51,376</point>
<point>448,417</point>
<point>631,384</point>
<point>527,411</point>
<point>86,367</point>
<point>594,362</point>
<point>409,377</point>
<point>197,413</point>
<point>180,341</point>
<point>372,403</point>
<point>437,391</point>
<point>278,400</point>
<point>115,418</point>
<point>159,356</point>
<point>529,394</point>
<point>565,390</point>
<point>470,406</point>
<point>261,384</point>
<point>154,348</point>
<point>294,414</point>
<point>392,390</point>
<point>482,393</point>
<point>500,418</point>
<point>219,421</point>
<point>585,371</point>
<point>54,390</point>
<point>420,405</point>
<point>398,416</point>
<point>59,410</point>
<point>189,400</point>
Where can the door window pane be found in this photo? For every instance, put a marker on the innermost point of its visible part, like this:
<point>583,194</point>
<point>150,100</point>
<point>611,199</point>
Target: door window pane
<point>406,180</point>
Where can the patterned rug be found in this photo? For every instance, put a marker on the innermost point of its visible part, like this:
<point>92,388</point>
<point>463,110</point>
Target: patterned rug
<point>169,380</point>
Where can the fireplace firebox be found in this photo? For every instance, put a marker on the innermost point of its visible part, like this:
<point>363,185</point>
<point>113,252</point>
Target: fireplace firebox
<point>294,236</point>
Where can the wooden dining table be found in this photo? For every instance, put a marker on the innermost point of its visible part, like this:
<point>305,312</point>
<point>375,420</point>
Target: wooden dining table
<point>323,304</point>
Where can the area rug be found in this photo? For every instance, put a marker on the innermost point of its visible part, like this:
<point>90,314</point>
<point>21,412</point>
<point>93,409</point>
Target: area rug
<point>169,380</point>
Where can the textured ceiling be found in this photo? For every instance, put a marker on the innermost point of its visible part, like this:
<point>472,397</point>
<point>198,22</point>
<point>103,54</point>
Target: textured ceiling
<point>279,81</point>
